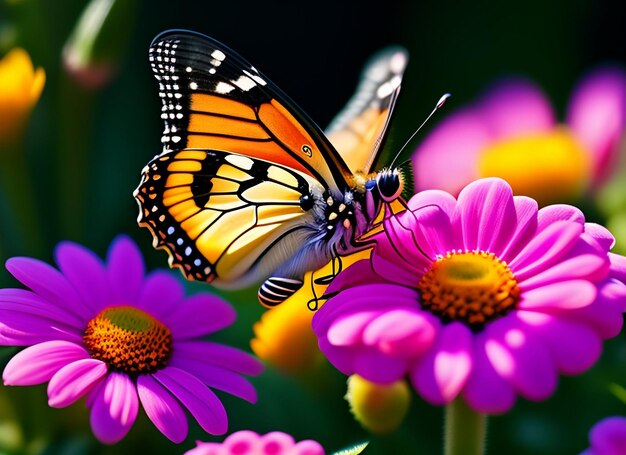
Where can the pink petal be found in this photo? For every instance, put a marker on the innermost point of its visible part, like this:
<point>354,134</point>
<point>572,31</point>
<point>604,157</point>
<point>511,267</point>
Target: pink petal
<point>589,267</point>
<point>29,303</point>
<point>73,381</point>
<point>243,442</point>
<point>162,409</point>
<point>347,330</point>
<point>217,378</point>
<point>275,443</point>
<point>545,249</point>
<point>600,234</point>
<point>558,212</point>
<point>86,273</point>
<point>447,159</point>
<point>516,107</point>
<point>608,437</point>
<point>520,359</point>
<point>37,364</point>
<point>307,447</point>
<point>114,408</point>
<point>432,227</point>
<point>558,297</point>
<point>49,283</point>
<point>573,346</point>
<point>378,367</point>
<point>23,329</point>
<point>200,315</point>
<point>485,390</point>
<point>597,115</point>
<point>219,355</point>
<point>525,227</point>
<point>203,404</point>
<point>125,270</point>
<point>605,314</point>
<point>442,374</point>
<point>618,267</point>
<point>485,215</point>
<point>401,333</point>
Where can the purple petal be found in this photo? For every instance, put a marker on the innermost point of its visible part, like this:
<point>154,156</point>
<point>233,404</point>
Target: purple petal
<point>199,315</point>
<point>23,301</point>
<point>447,159</point>
<point>37,364</point>
<point>601,235</point>
<point>573,346</point>
<point>23,329</point>
<point>558,212</point>
<point>442,374</point>
<point>161,295</point>
<point>219,355</point>
<point>162,409</point>
<point>73,381</point>
<point>114,408</point>
<point>401,333</point>
<point>348,330</point>
<point>484,210</point>
<point>558,297</point>
<point>86,273</point>
<point>361,272</point>
<point>597,115</point>
<point>125,270</point>
<point>379,367</point>
<point>605,314</point>
<point>516,107</point>
<point>49,283</point>
<point>618,267</point>
<point>485,390</point>
<point>520,359</point>
<point>203,404</point>
<point>608,437</point>
<point>217,378</point>
<point>432,228</point>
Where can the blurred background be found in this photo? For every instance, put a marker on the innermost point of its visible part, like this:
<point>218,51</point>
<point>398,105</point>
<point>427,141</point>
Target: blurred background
<point>97,124</point>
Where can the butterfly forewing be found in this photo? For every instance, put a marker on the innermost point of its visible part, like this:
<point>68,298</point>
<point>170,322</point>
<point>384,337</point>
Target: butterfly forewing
<point>359,130</point>
<point>213,99</point>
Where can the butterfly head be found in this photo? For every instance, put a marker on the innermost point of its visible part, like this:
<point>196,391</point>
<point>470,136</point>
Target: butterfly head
<point>390,183</point>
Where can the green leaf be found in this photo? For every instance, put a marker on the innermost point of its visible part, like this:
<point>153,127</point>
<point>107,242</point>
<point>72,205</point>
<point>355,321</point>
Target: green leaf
<point>353,450</point>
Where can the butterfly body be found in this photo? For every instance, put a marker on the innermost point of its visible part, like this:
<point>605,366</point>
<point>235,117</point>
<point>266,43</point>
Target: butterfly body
<point>247,186</point>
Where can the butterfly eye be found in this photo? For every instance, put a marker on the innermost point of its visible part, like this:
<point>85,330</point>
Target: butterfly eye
<point>306,202</point>
<point>390,184</point>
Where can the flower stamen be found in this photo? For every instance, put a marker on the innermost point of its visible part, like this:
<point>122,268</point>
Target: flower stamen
<point>472,287</point>
<point>128,339</point>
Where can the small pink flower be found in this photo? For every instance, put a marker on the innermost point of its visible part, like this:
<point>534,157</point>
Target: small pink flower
<point>512,133</point>
<point>121,339</point>
<point>251,443</point>
<point>484,297</point>
<point>608,437</point>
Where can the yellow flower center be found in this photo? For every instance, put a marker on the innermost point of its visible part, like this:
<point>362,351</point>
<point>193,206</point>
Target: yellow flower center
<point>550,167</point>
<point>473,287</point>
<point>128,339</point>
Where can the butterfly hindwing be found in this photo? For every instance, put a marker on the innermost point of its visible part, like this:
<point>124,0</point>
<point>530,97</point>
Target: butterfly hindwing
<point>217,213</point>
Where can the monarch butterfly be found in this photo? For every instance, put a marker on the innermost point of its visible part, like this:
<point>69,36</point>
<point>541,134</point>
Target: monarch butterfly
<point>247,186</point>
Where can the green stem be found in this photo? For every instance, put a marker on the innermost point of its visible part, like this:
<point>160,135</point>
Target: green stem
<point>465,430</point>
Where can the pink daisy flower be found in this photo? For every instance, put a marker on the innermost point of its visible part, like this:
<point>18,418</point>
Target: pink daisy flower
<point>484,297</point>
<point>512,133</point>
<point>121,339</point>
<point>608,437</point>
<point>250,443</point>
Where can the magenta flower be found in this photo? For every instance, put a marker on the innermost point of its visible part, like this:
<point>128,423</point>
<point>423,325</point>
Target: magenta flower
<point>512,133</point>
<point>120,338</point>
<point>251,443</point>
<point>608,437</point>
<point>484,297</point>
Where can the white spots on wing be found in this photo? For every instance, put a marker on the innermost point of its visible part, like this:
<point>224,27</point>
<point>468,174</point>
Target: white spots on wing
<point>398,62</point>
<point>258,79</point>
<point>170,230</point>
<point>188,69</point>
<point>215,62</point>
<point>223,88</point>
<point>242,162</point>
<point>244,83</point>
<point>212,71</point>
<point>218,55</point>
<point>176,139</point>
<point>388,87</point>
<point>193,86</point>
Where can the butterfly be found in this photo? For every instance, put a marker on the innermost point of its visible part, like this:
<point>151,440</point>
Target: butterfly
<point>247,186</point>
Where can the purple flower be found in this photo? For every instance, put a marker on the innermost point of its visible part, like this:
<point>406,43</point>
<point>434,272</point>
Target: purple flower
<point>484,297</point>
<point>608,437</point>
<point>251,443</point>
<point>512,133</point>
<point>121,338</point>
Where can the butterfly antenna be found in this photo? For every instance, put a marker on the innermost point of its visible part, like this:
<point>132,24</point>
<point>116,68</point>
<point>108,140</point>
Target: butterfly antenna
<point>439,104</point>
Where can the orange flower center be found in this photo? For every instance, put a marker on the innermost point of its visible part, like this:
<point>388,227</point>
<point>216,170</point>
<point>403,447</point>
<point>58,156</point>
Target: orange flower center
<point>473,287</point>
<point>128,339</point>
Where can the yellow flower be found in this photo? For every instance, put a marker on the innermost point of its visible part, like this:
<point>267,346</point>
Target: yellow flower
<point>283,336</point>
<point>20,88</point>
<point>380,408</point>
